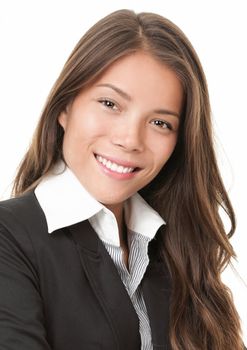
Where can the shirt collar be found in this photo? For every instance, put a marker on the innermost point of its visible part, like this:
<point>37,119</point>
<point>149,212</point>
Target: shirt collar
<point>66,202</point>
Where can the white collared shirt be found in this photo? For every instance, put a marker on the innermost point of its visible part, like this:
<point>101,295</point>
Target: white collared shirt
<point>65,202</point>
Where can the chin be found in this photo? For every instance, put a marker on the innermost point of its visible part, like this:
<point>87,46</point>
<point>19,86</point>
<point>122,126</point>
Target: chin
<point>108,201</point>
<point>112,200</point>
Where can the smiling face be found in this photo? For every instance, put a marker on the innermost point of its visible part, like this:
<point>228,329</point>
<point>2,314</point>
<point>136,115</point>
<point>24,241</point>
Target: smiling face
<point>120,131</point>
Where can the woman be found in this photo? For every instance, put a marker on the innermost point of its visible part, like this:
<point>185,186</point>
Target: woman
<point>113,239</point>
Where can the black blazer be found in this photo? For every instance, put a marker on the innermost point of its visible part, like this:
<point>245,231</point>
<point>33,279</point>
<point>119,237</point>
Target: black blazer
<point>62,291</point>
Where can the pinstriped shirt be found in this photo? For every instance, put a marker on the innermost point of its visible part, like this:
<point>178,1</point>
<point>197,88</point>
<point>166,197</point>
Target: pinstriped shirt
<point>138,262</point>
<point>141,220</point>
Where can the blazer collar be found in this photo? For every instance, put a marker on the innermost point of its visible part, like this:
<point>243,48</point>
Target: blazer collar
<point>156,287</point>
<point>113,297</point>
<point>107,286</point>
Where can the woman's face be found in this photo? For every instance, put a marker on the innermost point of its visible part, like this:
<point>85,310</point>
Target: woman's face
<point>120,131</point>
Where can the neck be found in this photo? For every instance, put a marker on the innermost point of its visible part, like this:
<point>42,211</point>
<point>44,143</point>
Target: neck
<point>118,211</point>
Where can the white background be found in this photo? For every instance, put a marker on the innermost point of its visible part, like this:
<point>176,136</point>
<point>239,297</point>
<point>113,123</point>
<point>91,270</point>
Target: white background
<point>36,38</point>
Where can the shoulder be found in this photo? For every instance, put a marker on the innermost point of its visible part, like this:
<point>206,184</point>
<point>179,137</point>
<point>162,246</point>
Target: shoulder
<point>23,201</point>
<point>22,218</point>
<point>22,209</point>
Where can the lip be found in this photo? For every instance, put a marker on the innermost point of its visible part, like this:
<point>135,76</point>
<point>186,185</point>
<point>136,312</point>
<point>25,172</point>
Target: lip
<point>124,163</point>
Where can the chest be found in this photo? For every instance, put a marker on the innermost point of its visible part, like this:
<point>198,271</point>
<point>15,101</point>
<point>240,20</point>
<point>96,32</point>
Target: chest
<point>85,301</point>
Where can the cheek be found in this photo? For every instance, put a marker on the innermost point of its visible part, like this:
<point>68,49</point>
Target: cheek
<point>84,128</point>
<point>162,149</point>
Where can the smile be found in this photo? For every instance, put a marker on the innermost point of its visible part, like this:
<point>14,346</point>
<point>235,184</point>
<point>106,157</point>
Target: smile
<point>118,168</point>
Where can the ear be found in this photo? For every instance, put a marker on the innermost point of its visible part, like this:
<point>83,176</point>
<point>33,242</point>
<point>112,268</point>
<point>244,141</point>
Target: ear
<point>63,119</point>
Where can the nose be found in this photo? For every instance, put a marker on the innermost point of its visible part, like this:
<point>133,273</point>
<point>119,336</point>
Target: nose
<point>129,135</point>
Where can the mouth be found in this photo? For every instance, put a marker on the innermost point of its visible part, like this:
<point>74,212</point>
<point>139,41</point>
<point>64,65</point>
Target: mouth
<point>117,166</point>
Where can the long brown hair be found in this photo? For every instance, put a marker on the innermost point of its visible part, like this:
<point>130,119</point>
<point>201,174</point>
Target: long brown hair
<point>187,192</point>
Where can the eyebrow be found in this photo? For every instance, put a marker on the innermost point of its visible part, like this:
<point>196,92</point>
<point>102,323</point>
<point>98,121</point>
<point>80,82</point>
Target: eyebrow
<point>119,91</point>
<point>128,98</point>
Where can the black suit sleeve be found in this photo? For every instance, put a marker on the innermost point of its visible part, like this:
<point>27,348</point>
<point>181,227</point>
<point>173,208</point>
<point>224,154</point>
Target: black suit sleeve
<point>21,312</point>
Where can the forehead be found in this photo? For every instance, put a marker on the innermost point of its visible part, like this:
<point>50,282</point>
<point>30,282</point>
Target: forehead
<point>142,76</point>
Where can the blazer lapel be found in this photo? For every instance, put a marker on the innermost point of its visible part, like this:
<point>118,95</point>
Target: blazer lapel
<point>107,286</point>
<point>156,292</point>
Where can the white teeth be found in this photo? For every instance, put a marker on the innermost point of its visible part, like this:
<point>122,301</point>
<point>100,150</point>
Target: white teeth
<point>113,166</point>
<point>120,169</point>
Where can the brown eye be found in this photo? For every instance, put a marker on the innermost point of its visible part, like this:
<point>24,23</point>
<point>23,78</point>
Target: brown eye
<point>108,103</point>
<point>161,124</point>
